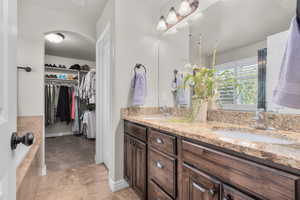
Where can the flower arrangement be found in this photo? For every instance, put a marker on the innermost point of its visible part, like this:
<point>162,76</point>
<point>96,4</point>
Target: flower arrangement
<point>205,83</point>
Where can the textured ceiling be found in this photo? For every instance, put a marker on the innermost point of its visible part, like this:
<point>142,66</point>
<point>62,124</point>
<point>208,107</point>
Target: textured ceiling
<point>74,46</point>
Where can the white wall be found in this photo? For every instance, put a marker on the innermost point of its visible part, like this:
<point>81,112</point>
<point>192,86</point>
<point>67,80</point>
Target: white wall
<point>107,19</point>
<point>276,48</point>
<point>173,54</point>
<point>134,41</point>
<point>33,23</point>
<point>247,51</point>
<point>49,59</point>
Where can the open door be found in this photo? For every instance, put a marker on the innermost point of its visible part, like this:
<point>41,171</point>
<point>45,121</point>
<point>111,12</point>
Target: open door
<point>8,97</point>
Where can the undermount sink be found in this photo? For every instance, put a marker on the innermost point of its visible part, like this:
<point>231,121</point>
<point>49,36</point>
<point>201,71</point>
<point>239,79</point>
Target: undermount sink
<point>252,137</point>
<point>156,117</point>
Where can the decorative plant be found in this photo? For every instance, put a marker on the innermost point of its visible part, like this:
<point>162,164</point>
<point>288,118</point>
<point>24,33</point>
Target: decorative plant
<point>206,83</point>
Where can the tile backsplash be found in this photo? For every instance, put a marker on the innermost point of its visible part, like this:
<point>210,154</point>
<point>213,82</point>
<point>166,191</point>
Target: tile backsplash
<point>286,122</point>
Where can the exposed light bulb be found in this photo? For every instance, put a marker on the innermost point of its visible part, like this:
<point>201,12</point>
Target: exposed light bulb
<point>185,8</point>
<point>55,37</point>
<point>172,16</point>
<point>162,25</point>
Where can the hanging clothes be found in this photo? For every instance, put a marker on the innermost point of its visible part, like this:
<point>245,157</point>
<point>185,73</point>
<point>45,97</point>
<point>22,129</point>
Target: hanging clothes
<point>88,127</point>
<point>63,107</point>
<point>75,111</point>
<point>88,87</point>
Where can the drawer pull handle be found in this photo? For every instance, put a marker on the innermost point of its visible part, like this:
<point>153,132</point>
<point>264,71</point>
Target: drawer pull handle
<point>159,165</point>
<point>159,141</point>
<point>228,197</point>
<point>212,192</point>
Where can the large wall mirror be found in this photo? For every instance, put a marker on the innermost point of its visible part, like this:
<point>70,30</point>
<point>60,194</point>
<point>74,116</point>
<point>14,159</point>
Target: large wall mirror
<point>249,38</point>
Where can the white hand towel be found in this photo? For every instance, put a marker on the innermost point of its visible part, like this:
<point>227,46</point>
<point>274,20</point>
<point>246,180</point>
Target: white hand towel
<point>181,94</point>
<point>287,92</point>
<point>139,89</point>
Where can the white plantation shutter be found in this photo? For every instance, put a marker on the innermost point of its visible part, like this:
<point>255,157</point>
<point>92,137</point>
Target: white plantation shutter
<point>246,73</point>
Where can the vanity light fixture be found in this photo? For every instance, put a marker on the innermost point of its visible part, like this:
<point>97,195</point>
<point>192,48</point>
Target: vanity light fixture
<point>172,16</point>
<point>55,37</point>
<point>185,8</point>
<point>162,24</point>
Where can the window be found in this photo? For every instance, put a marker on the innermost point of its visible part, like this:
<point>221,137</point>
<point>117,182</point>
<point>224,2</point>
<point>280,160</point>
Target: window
<point>241,95</point>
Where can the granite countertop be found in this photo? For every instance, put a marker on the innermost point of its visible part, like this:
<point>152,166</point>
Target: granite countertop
<point>284,154</point>
<point>29,124</point>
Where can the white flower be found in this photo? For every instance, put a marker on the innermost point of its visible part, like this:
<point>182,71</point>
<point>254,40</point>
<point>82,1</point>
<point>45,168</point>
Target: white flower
<point>188,66</point>
<point>191,83</point>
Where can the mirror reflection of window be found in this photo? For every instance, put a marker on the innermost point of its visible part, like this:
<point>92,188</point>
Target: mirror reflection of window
<point>243,96</point>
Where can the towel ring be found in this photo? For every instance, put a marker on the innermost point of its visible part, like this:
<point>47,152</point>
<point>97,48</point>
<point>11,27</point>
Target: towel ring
<point>138,66</point>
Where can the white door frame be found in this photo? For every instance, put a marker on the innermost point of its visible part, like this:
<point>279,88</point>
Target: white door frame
<point>103,86</point>
<point>8,97</point>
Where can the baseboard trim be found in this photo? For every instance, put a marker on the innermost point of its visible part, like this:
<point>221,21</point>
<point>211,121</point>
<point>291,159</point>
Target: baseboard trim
<point>50,135</point>
<point>117,185</point>
<point>98,160</point>
<point>44,170</point>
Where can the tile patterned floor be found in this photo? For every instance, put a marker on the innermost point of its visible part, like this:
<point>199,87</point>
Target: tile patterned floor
<point>69,152</point>
<point>72,174</point>
<point>85,183</point>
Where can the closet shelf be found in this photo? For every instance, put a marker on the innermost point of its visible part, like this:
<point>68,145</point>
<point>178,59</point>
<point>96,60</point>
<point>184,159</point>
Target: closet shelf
<point>56,80</point>
<point>64,70</point>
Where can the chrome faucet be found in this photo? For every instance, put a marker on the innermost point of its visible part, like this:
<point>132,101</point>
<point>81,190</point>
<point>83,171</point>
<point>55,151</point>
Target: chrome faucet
<point>165,111</point>
<point>260,121</point>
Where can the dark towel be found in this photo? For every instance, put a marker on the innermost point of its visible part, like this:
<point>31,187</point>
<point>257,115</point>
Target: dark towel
<point>63,107</point>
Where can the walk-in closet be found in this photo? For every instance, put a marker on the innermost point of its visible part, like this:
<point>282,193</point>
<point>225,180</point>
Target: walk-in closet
<point>70,101</point>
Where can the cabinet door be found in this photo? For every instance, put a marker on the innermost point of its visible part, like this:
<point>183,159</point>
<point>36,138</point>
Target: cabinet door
<point>230,193</point>
<point>139,168</point>
<point>128,159</point>
<point>198,185</point>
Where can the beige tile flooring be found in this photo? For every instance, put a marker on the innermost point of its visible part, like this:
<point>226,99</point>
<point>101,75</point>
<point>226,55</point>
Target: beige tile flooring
<point>69,152</point>
<point>84,183</point>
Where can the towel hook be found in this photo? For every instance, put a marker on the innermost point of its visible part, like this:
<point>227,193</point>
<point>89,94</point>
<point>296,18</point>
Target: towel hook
<point>27,69</point>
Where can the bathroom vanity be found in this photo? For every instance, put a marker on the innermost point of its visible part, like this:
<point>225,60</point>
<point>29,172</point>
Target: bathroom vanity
<point>167,160</point>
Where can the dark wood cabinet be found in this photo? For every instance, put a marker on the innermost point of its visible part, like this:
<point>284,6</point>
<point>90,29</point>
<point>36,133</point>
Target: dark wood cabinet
<point>230,193</point>
<point>165,166</point>
<point>198,185</point>
<point>128,154</point>
<point>135,165</point>
<point>156,193</point>
<point>140,168</point>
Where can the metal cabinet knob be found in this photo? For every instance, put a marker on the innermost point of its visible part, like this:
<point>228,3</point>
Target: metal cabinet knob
<point>26,139</point>
<point>159,141</point>
<point>159,165</point>
<point>212,192</point>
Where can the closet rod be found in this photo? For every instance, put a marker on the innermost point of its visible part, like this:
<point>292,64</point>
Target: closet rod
<point>27,69</point>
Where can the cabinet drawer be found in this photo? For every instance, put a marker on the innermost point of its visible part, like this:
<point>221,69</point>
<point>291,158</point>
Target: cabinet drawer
<point>230,193</point>
<point>162,142</point>
<point>155,193</point>
<point>136,130</point>
<point>162,169</point>
<point>263,181</point>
